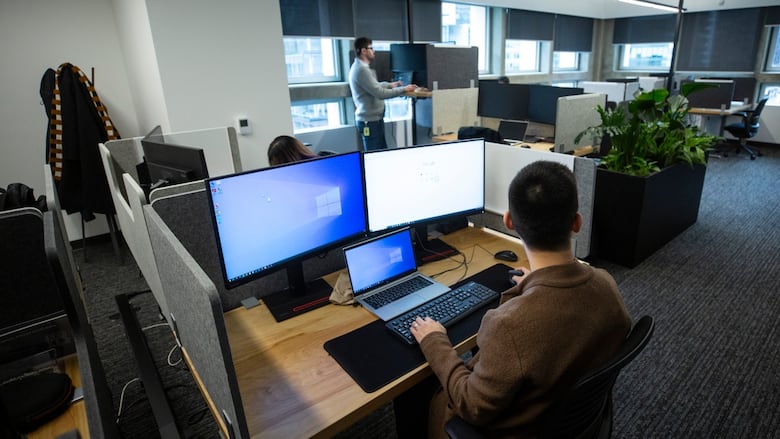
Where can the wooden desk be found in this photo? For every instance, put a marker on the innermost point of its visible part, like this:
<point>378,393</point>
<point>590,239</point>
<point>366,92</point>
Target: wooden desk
<point>723,113</point>
<point>539,146</point>
<point>291,387</point>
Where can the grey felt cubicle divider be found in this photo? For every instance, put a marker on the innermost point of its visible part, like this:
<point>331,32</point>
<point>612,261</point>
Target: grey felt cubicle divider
<point>503,162</point>
<point>187,216</point>
<point>196,311</point>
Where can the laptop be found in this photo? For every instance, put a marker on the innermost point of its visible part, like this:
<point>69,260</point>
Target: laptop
<point>512,131</point>
<point>383,266</point>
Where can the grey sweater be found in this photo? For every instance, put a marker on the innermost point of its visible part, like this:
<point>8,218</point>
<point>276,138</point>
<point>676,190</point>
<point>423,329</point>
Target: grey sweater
<point>368,93</point>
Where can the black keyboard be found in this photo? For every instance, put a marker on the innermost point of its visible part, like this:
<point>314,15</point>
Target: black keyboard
<point>397,291</point>
<point>447,308</point>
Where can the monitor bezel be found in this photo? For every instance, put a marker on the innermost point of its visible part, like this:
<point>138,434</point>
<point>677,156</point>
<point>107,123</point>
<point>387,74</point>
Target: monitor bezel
<point>157,152</point>
<point>293,262</point>
<point>429,220</point>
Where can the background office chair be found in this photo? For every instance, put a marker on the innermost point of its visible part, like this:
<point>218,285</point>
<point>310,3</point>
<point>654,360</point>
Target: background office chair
<point>586,412</point>
<point>746,128</point>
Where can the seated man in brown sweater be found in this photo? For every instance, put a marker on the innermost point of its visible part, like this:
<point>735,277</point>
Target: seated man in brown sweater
<point>562,320</point>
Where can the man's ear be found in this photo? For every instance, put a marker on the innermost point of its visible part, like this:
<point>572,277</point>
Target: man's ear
<point>508,221</point>
<point>576,225</point>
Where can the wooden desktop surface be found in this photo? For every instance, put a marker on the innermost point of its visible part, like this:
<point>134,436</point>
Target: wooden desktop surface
<point>539,146</point>
<point>289,384</point>
<point>735,108</point>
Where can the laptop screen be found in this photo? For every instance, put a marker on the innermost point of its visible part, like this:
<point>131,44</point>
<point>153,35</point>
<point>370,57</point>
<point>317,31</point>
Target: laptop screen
<point>380,260</point>
<point>510,130</point>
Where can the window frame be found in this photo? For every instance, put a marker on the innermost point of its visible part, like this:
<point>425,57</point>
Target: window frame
<point>484,54</point>
<point>338,68</point>
<point>773,51</point>
<point>538,61</point>
<point>622,49</point>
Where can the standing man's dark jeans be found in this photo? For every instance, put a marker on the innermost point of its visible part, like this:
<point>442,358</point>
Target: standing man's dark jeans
<point>372,134</point>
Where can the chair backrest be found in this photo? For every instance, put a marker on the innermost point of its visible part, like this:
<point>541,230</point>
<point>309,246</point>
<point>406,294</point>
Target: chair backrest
<point>755,115</point>
<point>583,410</point>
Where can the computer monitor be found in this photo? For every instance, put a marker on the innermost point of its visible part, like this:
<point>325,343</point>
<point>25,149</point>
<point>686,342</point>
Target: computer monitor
<point>543,101</point>
<point>173,164</point>
<point>274,218</point>
<point>719,95</point>
<point>419,185</point>
<point>502,101</point>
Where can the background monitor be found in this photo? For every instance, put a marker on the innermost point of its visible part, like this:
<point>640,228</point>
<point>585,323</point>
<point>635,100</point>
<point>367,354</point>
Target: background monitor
<point>719,96</point>
<point>274,218</point>
<point>173,164</point>
<point>410,58</point>
<point>543,101</point>
<point>419,185</point>
<point>502,101</point>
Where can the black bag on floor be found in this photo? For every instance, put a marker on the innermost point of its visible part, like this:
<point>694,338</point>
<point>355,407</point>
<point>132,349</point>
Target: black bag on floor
<point>33,400</point>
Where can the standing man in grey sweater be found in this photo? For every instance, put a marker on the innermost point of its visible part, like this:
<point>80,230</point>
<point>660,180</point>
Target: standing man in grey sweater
<point>368,95</point>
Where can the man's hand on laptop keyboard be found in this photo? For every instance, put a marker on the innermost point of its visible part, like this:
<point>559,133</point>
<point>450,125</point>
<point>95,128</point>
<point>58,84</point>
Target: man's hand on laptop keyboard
<point>423,326</point>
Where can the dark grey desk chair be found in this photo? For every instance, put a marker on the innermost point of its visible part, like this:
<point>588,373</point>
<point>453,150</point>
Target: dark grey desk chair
<point>587,411</point>
<point>746,128</point>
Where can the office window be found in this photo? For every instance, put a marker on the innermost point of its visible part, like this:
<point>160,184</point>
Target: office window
<point>771,91</point>
<point>466,25</point>
<point>652,56</point>
<point>522,56</point>
<point>566,61</point>
<point>773,55</point>
<point>311,60</point>
<point>314,115</point>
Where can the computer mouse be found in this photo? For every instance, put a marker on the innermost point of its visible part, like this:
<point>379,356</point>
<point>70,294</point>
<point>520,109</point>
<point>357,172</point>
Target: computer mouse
<point>525,146</point>
<point>506,255</point>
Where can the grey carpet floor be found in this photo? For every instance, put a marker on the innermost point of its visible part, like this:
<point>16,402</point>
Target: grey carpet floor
<point>709,371</point>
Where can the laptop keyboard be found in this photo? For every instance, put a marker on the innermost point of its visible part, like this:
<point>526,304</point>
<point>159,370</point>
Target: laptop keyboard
<point>397,291</point>
<point>447,309</point>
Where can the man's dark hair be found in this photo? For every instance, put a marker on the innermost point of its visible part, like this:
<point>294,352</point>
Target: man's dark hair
<point>362,43</point>
<point>543,205</point>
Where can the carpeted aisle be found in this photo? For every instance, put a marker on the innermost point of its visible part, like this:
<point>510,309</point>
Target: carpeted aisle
<point>709,371</point>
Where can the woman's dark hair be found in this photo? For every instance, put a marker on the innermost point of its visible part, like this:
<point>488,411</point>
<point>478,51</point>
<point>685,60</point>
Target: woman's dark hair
<point>287,149</point>
<point>543,205</point>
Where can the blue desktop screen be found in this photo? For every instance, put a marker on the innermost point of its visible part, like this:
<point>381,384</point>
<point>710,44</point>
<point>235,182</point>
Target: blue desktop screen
<point>271,216</point>
<point>380,260</point>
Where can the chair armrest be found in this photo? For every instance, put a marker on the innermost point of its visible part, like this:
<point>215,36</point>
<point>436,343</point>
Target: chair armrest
<point>457,428</point>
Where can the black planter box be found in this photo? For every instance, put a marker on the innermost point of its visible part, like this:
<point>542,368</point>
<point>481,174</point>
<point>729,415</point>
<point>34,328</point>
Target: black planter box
<point>635,216</point>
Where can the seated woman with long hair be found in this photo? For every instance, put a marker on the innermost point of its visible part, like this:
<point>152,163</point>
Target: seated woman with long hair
<point>287,149</point>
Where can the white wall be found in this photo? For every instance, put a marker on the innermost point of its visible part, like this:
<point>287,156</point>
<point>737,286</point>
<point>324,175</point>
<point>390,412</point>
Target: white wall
<point>36,35</point>
<point>135,37</point>
<point>219,60</point>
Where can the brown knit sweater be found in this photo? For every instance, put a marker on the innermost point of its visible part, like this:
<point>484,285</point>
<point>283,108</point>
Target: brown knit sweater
<point>551,329</point>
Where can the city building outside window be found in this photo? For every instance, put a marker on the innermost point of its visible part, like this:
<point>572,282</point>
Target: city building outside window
<point>652,56</point>
<point>566,61</point>
<point>522,56</point>
<point>466,25</point>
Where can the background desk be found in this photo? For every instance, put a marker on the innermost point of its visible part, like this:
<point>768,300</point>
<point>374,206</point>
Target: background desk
<point>291,387</point>
<point>539,146</point>
<point>723,113</point>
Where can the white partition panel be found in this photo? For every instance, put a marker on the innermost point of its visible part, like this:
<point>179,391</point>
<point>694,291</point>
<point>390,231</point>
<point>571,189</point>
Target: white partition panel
<point>454,108</point>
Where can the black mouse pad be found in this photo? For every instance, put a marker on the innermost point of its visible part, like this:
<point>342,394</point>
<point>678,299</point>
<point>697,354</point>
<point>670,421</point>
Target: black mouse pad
<point>373,356</point>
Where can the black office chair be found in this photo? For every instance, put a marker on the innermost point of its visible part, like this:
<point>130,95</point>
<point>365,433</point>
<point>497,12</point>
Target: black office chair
<point>746,128</point>
<point>586,412</point>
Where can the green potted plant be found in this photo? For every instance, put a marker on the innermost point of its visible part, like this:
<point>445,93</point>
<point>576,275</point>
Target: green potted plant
<point>648,186</point>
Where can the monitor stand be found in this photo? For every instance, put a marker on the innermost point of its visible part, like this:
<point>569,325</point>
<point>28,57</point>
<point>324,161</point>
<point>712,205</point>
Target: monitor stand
<point>429,250</point>
<point>299,297</point>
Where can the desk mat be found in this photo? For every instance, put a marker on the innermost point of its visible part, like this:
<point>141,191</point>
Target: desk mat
<point>373,356</point>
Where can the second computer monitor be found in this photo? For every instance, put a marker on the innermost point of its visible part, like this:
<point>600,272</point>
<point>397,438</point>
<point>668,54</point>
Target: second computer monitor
<point>424,184</point>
